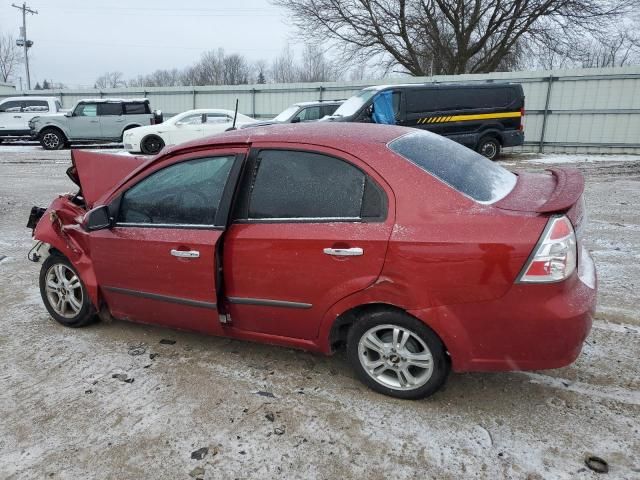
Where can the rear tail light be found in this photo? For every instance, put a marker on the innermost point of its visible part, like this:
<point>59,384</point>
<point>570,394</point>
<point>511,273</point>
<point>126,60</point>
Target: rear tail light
<point>555,256</point>
<point>521,126</point>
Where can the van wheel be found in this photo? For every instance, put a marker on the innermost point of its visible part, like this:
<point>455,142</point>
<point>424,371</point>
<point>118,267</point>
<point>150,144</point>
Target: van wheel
<point>52,139</point>
<point>397,355</point>
<point>489,147</point>
<point>63,293</point>
<point>151,144</point>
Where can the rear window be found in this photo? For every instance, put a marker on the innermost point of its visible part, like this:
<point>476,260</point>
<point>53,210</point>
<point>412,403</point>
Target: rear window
<point>36,106</point>
<point>459,167</point>
<point>136,108</point>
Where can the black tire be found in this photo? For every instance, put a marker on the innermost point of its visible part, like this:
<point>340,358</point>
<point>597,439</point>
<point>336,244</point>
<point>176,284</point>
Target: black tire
<point>489,147</point>
<point>151,144</point>
<point>85,313</point>
<point>429,343</point>
<point>52,139</point>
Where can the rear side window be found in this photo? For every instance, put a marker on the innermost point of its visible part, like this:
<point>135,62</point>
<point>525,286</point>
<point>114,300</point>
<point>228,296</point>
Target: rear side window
<point>109,109</point>
<point>459,167</point>
<point>36,106</point>
<point>435,99</point>
<point>11,106</point>
<point>136,108</point>
<point>329,109</point>
<point>186,193</point>
<point>305,185</point>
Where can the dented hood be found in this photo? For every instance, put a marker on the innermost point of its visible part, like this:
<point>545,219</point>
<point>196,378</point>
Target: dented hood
<point>97,172</point>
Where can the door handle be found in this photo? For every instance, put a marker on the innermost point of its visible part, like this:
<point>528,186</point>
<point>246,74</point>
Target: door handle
<point>344,252</point>
<point>185,253</point>
<point>94,121</point>
<point>17,116</point>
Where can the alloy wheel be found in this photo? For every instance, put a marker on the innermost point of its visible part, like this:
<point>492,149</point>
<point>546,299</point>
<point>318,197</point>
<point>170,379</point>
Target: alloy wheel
<point>64,290</point>
<point>51,140</point>
<point>395,357</point>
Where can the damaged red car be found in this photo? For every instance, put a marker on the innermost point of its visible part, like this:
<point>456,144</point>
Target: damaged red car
<point>415,253</point>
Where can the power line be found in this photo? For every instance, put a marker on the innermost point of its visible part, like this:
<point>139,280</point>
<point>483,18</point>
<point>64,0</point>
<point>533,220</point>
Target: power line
<point>26,43</point>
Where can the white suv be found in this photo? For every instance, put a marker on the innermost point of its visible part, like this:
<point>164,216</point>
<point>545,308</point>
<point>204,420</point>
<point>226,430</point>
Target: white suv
<point>15,113</point>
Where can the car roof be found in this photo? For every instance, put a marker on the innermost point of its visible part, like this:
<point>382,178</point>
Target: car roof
<point>444,84</point>
<point>341,135</point>
<point>113,100</point>
<point>209,110</point>
<point>319,102</point>
<point>19,99</point>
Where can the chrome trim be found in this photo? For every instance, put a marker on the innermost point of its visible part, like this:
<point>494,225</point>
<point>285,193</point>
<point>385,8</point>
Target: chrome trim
<point>268,303</point>
<point>166,225</point>
<point>344,252</point>
<point>163,298</point>
<point>185,253</point>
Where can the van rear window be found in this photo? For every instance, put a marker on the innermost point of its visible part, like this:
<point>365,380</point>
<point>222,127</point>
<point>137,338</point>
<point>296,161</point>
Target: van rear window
<point>459,167</point>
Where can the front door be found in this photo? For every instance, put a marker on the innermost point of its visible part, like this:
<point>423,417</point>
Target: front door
<point>158,263</point>
<point>188,128</point>
<point>311,228</point>
<point>84,123</point>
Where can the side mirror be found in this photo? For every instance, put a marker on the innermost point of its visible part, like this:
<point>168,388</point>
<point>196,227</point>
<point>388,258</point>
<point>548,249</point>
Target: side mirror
<point>68,114</point>
<point>97,219</point>
<point>296,120</point>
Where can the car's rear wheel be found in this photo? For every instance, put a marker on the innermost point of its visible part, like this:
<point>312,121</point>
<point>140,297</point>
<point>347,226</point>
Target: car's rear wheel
<point>151,144</point>
<point>52,139</point>
<point>489,147</point>
<point>397,355</point>
<point>63,293</point>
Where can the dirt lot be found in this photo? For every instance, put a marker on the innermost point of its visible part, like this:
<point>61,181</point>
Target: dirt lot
<point>268,412</point>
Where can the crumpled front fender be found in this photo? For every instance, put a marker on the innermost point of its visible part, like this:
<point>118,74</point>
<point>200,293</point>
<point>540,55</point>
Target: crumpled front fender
<point>60,227</point>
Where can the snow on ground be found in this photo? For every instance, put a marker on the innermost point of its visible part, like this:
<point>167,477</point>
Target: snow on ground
<point>64,416</point>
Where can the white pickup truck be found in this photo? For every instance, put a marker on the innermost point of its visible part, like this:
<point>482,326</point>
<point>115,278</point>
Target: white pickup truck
<point>15,113</point>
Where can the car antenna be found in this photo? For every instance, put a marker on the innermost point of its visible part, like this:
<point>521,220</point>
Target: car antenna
<point>235,116</point>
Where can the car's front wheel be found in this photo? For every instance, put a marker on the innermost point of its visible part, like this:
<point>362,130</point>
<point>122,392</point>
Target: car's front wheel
<point>151,144</point>
<point>63,293</point>
<point>397,355</point>
<point>52,139</point>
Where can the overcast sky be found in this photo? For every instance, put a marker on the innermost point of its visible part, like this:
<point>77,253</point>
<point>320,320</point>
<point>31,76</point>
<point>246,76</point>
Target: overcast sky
<point>76,41</point>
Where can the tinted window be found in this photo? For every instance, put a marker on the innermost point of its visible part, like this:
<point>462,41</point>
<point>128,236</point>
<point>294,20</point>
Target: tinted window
<point>36,106</point>
<point>434,99</point>
<point>459,167</point>
<point>194,119</point>
<point>12,106</point>
<point>329,109</point>
<point>136,108</point>
<point>109,109</point>
<point>217,118</point>
<point>186,193</point>
<point>86,110</point>
<point>292,184</point>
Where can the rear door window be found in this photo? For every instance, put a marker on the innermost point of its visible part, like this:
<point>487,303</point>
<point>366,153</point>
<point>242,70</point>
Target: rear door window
<point>12,106</point>
<point>109,109</point>
<point>36,106</point>
<point>292,185</point>
<point>461,168</point>
<point>309,113</point>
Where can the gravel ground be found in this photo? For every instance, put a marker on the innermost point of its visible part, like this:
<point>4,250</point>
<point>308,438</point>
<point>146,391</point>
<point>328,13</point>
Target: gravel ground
<point>269,412</point>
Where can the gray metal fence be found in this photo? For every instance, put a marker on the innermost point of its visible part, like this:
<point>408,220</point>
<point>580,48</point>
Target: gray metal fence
<point>569,111</point>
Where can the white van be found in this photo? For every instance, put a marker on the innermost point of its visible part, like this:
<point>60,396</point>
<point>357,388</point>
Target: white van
<point>15,113</point>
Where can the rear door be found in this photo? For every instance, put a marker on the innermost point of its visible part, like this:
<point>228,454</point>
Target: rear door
<point>111,119</point>
<point>311,228</point>
<point>216,123</point>
<point>11,117</point>
<point>33,108</point>
<point>158,263</point>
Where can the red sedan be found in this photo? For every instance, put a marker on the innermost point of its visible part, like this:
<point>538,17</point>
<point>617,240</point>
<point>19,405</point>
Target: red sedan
<point>416,253</point>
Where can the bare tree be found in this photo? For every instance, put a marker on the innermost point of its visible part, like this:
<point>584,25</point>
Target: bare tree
<point>235,70</point>
<point>450,36</point>
<point>315,66</point>
<point>10,57</point>
<point>283,68</point>
<point>259,72</point>
<point>110,80</point>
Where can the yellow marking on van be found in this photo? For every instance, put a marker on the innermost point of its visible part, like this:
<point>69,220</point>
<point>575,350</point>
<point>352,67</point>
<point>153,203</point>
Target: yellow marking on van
<point>464,118</point>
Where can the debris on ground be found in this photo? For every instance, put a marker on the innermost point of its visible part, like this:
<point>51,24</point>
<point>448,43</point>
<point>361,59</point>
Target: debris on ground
<point>123,377</point>
<point>166,341</point>
<point>279,430</point>
<point>596,464</point>
<point>138,349</point>
<point>197,472</point>
<point>270,416</point>
<point>265,394</point>
<point>200,453</point>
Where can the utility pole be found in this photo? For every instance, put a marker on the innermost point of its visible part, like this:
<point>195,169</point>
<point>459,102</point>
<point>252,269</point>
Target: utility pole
<point>23,40</point>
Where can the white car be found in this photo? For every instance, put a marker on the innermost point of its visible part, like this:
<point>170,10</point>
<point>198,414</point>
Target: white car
<point>189,125</point>
<point>15,113</point>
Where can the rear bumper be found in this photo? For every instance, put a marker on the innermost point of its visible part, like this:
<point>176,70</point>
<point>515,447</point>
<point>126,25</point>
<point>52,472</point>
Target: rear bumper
<point>532,327</point>
<point>512,138</point>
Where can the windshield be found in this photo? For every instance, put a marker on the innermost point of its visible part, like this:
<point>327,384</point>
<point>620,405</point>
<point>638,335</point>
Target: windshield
<point>459,167</point>
<point>287,114</point>
<point>355,103</point>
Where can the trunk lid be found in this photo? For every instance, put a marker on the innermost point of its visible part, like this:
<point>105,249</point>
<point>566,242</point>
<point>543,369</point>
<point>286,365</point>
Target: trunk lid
<point>559,191</point>
<point>96,172</point>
